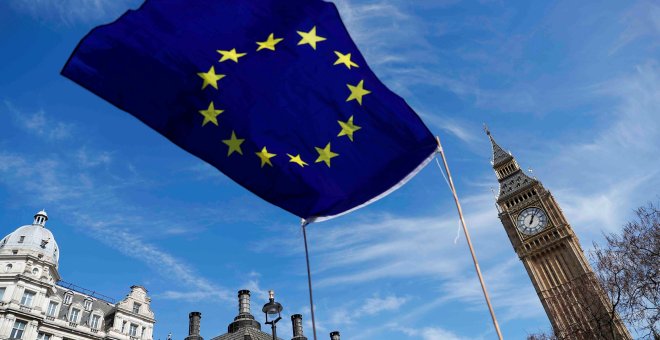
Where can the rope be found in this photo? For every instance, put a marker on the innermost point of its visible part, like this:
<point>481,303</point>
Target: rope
<point>458,228</point>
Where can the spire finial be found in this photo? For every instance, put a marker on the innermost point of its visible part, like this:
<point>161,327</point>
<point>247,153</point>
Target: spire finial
<point>486,129</point>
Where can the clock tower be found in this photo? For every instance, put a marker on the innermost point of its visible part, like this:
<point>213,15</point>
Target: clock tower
<point>574,301</point>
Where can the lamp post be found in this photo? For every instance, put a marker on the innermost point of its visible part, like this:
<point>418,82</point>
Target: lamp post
<point>272,308</point>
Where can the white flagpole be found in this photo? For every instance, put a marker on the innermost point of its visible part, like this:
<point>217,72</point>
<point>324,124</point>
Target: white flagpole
<point>469,242</point>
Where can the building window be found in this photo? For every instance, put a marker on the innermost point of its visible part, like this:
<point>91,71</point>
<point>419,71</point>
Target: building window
<point>35,271</point>
<point>136,307</point>
<point>123,327</point>
<point>88,305</point>
<point>43,336</point>
<point>73,315</point>
<point>18,329</point>
<point>21,239</point>
<point>52,309</point>
<point>133,330</point>
<point>27,298</point>
<point>2,292</point>
<point>95,321</point>
<point>67,298</point>
<point>8,267</point>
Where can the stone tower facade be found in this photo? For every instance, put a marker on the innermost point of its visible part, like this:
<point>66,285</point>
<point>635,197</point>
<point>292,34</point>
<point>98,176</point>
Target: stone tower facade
<point>574,301</point>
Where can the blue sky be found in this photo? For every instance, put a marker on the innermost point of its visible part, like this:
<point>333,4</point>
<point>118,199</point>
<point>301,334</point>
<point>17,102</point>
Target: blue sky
<point>571,88</point>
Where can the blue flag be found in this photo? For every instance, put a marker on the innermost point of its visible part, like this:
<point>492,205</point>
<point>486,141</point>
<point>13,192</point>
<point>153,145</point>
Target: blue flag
<point>273,93</point>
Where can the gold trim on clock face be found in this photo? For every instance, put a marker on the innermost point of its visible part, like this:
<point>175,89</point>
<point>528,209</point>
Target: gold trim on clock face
<point>531,220</point>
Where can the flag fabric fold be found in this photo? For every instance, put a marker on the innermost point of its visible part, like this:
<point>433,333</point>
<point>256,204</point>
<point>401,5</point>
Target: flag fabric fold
<point>274,94</point>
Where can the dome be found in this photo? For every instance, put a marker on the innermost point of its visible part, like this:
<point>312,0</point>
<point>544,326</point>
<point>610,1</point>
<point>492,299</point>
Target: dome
<point>32,239</point>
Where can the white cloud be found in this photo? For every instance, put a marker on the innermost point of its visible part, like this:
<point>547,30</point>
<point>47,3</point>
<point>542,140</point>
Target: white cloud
<point>88,159</point>
<point>71,184</point>
<point>431,333</point>
<point>72,11</point>
<point>376,305</point>
<point>131,245</point>
<point>38,124</point>
<point>641,20</point>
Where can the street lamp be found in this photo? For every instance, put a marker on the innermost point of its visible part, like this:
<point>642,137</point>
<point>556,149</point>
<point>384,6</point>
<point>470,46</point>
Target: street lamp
<point>272,308</point>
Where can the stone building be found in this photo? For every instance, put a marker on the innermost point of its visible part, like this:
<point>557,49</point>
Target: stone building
<point>36,304</point>
<point>245,326</point>
<point>545,242</point>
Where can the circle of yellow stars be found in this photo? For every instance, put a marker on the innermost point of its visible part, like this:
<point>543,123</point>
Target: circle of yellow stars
<point>325,154</point>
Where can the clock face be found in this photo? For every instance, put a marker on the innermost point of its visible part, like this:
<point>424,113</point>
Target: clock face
<point>531,221</point>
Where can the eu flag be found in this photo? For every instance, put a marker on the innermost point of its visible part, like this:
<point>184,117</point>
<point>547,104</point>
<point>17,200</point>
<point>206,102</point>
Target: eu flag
<point>273,93</point>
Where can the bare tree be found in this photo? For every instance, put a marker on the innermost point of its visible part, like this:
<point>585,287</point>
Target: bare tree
<point>600,321</point>
<point>628,266</point>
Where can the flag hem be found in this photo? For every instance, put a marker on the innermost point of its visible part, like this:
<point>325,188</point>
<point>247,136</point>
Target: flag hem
<point>396,186</point>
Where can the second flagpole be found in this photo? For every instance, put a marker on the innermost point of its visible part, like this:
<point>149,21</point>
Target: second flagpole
<point>469,241</point>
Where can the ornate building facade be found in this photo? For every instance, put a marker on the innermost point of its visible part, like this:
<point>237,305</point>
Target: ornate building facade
<point>545,242</point>
<point>36,304</point>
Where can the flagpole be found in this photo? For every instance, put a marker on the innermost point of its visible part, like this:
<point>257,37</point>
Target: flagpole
<point>309,278</point>
<point>467,237</point>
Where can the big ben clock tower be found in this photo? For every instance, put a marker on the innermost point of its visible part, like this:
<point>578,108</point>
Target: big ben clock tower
<point>545,242</point>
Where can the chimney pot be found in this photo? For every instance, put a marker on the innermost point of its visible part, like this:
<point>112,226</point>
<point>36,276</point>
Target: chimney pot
<point>194,326</point>
<point>243,302</point>
<point>296,322</point>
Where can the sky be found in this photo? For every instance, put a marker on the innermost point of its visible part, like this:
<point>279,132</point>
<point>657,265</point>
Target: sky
<point>572,89</point>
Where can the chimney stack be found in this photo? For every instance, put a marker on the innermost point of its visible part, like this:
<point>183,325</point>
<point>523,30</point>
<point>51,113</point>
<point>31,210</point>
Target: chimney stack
<point>244,317</point>
<point>296,322</point>
<point>334,335</point>
<point>193,326</point>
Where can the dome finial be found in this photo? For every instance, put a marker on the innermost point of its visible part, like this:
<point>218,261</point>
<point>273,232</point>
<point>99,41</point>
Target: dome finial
<point>40,218</point>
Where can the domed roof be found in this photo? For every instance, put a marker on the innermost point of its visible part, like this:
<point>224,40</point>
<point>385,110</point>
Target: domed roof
<point>32,239</point>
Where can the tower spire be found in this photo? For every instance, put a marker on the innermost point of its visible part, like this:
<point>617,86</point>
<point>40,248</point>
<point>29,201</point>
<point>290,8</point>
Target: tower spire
<point>499,155</point>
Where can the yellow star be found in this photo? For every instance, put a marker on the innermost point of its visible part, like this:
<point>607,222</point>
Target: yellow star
<point>234,144</point>
<point>345,59</point>
<point>347,128</point>
<point>325,155</point>
<point>210,78</point>
<point>230,55</point>
<point>357,92</point>
<point>210,114</point>
<point>310,38</point>
<point>296,159</point>
<point>265,157</point>
<point>269,43</point>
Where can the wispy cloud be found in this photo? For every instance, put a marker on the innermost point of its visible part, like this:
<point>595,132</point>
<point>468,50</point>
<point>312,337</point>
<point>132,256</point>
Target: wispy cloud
<point>602,176</point>
<point>642,20</point>
<point>37,124</point>
<point>73,11</point>
<point>72,184</point>
<point>430,333</point>
<point>376,305</point>
<point>378,249</point>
